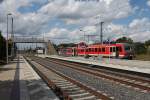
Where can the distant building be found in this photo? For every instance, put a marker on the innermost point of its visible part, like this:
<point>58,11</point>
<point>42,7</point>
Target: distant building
<point>40,50</point>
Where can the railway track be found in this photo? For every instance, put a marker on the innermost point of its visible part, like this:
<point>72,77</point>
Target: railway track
<point>113,87</point>
<point>65,87</point>
<point>128,80</point>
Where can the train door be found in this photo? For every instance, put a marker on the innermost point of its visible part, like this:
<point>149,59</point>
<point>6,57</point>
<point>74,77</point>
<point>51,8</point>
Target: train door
<point>113,51</point>
<point>74,51</point>
<point>117,52</point>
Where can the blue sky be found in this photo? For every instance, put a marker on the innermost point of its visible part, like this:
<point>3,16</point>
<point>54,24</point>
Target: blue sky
<point>33,7</point>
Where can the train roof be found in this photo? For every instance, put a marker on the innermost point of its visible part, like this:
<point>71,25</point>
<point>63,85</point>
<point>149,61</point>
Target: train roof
<point>103,45</point>
<point>98,45</point>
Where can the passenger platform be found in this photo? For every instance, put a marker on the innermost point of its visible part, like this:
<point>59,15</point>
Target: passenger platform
<point>18,81</point>
<point>130,65</point>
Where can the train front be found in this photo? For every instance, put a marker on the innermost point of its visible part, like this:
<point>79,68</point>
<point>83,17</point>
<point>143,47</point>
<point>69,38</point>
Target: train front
<point>128,51</point>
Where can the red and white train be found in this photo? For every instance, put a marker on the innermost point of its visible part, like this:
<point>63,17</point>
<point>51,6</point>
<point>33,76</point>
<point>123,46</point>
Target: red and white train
<point>118,50</point>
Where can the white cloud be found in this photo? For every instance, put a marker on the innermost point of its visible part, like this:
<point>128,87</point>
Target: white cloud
<point>138,30</point>
<point>77,35</point>
<point>141,36</point>
<point>59,35</point>
<point>134,30</point>
<point>71,12</point>
<point>148,2</point>
<point>140,24</point>
<point>114,28</point>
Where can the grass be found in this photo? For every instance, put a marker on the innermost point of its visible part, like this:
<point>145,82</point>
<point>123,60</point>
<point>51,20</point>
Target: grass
<point>144,57</point>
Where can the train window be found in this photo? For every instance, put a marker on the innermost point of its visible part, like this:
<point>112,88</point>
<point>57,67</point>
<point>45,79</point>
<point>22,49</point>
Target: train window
<point>103,49</point>
<point>89,49</point>
<point>111,49</point>
<point>99,49</point>
<point>127,48</point>
<point>92,49</point>
<point>117,48</point>
<point>86,50</point>
<point>95,49</point>
<point>114,49</point>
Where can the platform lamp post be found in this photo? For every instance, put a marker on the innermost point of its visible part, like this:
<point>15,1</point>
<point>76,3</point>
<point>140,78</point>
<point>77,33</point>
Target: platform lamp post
<point>7,39</point>
<point>12,37</point>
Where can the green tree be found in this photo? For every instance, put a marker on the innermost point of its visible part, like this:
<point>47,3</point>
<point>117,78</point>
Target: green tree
<point>55,46</point>
<point>0,38</point>
<point>147,43</point>
<point>140,48</point>
<point>124,40</point>
<point>2,47</point>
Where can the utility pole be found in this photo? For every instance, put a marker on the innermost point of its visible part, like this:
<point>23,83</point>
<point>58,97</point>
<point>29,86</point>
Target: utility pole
<point>7,39</point>
<point>101,32</point>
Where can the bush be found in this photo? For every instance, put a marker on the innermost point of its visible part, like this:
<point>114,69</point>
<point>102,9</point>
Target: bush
<point>140,48</point>
<point>2,47</point>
